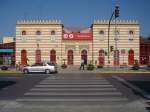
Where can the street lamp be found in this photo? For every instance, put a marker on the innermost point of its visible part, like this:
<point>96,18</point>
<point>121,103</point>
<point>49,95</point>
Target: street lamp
<point>115,14</point>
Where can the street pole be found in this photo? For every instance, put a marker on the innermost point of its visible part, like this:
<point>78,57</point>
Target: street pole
<point>114,14</point>
<point>108,36</point>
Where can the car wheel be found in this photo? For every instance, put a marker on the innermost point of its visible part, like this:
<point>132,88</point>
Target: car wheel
<point>25,71</point>
<point>47,71</point>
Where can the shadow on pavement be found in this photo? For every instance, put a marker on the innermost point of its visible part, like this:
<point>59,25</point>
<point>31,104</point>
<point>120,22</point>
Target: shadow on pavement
<point>4,84</point>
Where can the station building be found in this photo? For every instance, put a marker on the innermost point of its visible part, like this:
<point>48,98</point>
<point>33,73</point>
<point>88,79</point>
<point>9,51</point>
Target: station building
<point>50,40</point>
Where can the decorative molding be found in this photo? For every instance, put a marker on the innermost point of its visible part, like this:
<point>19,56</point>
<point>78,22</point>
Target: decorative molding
<point>134,22</point>
<point>39,22</point>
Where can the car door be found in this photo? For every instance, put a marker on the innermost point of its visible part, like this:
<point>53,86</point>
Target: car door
<point>41,67</point>
<point>33,68</point>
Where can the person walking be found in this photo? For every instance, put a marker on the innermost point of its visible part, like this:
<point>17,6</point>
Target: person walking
<point>82,64</point>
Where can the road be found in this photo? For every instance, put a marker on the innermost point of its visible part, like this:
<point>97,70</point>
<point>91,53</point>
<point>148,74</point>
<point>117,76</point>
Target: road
<point>82,92</point>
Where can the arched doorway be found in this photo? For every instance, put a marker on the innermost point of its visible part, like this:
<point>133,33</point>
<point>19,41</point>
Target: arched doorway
<point>53,56</point>
<point>84,56</point>
<point>23,57</point>
<point>70,57</point>
<point>131,57</point>
<point>116,57</point>
<point>38,56</point>
<point>101,57</point>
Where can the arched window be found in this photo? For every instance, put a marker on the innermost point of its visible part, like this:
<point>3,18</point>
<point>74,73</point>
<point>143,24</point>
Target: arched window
<point>23,57</point>
<point>70,57</point>
<point>101,57</point>
<point>53,56</point>
<point>53,32</point>
<point>101,32</point>
<point>131,57</point>
<point>23,32</point>
<point>130,32</point>
<point>131,35</point>
<point>38,32</point>
<point>38,56</point>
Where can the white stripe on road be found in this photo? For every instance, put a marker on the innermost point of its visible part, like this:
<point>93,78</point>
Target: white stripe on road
<point>72,94</point>
<point>71,100</point>
<point>71,83</point>
<point>73,89</point>
<point>79,86</point>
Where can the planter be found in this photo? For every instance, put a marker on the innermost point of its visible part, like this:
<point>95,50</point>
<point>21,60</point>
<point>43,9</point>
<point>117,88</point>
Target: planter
<point>90,67</point>
<point>100,66</point>
<point>63,66</point>
<point>4,68</point>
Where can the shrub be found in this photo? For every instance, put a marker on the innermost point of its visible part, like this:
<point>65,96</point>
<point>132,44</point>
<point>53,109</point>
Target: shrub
<point>90,67</point>
<point>100,66</point>
<point>4,68</point>
<point>63,66</point>
<point>136,65</point>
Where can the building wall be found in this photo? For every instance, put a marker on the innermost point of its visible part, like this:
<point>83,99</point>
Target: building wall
<point>124,40</point>
<point>47,42</point>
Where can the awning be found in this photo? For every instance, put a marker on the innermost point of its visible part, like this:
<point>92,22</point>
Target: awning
<point>6,50</point>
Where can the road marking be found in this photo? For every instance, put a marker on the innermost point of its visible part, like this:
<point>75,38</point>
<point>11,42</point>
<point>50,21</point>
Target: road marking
<point>72,100</point>
<point>72,94</point>
<point>73,89</point>
<point>79,86</point>
<point>74,83</point>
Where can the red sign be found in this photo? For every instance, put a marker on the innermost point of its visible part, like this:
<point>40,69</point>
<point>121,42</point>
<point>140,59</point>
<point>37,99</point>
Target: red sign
<point>77,36</point>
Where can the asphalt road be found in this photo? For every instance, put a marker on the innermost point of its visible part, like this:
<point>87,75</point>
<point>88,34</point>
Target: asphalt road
<point>82,92</point>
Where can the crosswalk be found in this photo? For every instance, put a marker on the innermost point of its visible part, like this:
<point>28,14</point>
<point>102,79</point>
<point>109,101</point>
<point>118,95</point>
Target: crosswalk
<point>94,90</point>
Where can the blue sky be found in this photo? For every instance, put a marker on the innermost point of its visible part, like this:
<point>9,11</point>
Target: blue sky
<point>71,12</point>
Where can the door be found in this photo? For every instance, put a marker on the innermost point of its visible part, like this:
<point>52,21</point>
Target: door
<point>101,57</point>
<point>23,57</point>
<point>131,57</point>
<point>116,57</point>
<point>84,56</point>
<point>38,56</point>
<point>53,56</point>
<point>70,57</point>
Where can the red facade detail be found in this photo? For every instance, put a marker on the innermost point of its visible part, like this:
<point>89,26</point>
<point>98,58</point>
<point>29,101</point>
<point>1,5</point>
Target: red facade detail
<point>84,56</point>
<point>70,57</point>
<point>38,56</point>
<point>131,57</point>
<point>53,56</point>
<point>101,57</point>
<point>116,57</point>
<point>23,57</point>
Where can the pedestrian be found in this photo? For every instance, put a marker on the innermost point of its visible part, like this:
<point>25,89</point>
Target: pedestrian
<point>82,64</point>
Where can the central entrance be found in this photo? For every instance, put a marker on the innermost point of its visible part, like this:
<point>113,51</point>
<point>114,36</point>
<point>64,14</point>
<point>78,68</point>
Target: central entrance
<point>70,57</point>
<point>84,56</point>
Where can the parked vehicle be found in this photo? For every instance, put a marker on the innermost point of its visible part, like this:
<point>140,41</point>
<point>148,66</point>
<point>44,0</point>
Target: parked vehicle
<point>41,67</point>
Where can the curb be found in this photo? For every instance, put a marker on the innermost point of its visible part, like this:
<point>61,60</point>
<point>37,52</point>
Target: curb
<point>133,87</point>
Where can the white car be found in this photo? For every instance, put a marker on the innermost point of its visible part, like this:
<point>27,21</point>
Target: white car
<point>40,67</point>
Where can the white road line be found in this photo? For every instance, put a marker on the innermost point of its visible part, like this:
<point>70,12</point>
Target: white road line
<point>73,83</point>
<point>73,89</point>
<point>72,100</point>
<point>72,94</point>
<point>74,86</point>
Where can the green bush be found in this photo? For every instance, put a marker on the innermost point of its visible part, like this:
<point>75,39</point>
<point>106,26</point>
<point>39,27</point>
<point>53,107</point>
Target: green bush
<point>4,68</point>
<point>136,65</point>
<point>100,66</point>
<point>90,67</point>
<point>63,66</point>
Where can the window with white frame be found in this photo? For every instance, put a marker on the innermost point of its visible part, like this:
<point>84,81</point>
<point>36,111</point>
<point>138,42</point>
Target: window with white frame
<point>116,34</point>
<point>101,34</point>
<point>131,35</point>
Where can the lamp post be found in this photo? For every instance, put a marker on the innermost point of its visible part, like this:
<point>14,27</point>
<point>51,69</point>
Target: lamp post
<point>115,14</point>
